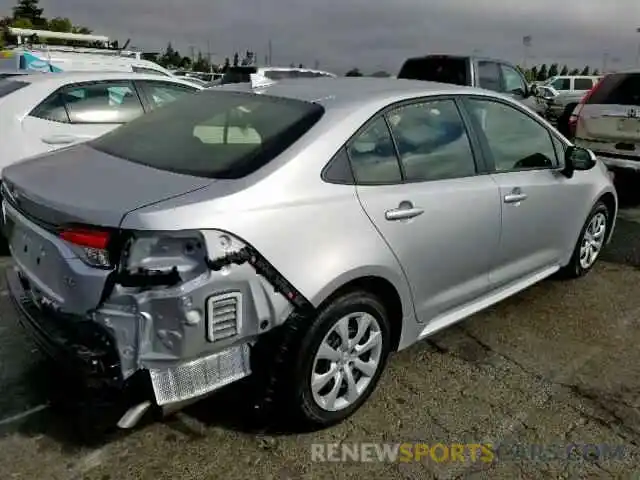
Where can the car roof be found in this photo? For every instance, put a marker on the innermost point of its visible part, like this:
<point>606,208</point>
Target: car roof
<point>341,91</point>
<point>62,78</point>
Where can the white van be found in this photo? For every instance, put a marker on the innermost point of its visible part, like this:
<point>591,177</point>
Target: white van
<point>572,83</point>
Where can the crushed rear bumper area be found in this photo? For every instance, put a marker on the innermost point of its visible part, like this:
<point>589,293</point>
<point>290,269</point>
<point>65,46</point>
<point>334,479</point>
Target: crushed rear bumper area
<point>84,358</point>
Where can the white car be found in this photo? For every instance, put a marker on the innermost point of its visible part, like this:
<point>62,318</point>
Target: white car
<point>44,112</point>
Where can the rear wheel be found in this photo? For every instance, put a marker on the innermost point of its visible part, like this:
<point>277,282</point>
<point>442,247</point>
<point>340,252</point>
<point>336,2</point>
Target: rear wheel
<point>563,120</point>
<point>325,368</point>
<point>590,243</point>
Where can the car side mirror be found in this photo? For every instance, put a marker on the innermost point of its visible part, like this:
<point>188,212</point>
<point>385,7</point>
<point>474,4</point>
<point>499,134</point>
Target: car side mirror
<point>533,90</point>
<point>519,92</point>
<point>578,159</point>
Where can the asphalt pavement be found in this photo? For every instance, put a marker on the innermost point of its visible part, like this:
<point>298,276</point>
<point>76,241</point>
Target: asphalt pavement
<point>553,366</point>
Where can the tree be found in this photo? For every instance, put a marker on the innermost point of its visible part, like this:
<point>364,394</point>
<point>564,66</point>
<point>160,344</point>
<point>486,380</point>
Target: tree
<point>185,63</point>
<point>170,57</point>
<point>380,74</point>
<point>236,59</point>
<point>201,64</point>
<point>574,71</point>
<point>30,10</point>
<point>60,24</point>
<point>585,70</point>
<point>553,70</point>
<point>595,72</point>
<point>542,73</point>
<point>565,70</point>
<point>354,72</point>
<point>227,64</point>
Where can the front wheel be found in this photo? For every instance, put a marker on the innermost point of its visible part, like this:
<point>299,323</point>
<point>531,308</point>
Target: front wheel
<point>590,243</point>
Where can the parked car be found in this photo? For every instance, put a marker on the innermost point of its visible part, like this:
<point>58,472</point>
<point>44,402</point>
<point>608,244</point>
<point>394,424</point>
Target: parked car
<point>579,84</point>
<point>244,74</point>
<point>300,236</point>
<point>480,72</point>
<point>607,120</point>
<point>560,108</point>
<point>43,112</point>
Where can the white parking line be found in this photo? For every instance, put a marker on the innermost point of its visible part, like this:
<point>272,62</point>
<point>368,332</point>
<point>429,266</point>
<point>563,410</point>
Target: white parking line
<point>23,415</point>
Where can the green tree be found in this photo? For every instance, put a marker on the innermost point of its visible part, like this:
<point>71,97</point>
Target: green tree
<point>533,74</point>
<point>565,70</point>
<point>60,24</point>
<point>170,57</point>
<point>585,70</point>
<point>595,72</point>
<point>185,63</point>
<point>553,70</point>
<point>354,72</point>
<point>201,64</point>
<point>542,73</point>
<point>30,10</point>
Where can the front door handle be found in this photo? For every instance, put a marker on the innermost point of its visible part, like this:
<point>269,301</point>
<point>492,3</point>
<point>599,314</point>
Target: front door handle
<point>403,213</point>
<point>515,197</point>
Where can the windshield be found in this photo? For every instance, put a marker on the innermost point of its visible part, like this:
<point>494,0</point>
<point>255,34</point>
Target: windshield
<point>10,86</point>
<point>453,70</point>
<point>216,134</point>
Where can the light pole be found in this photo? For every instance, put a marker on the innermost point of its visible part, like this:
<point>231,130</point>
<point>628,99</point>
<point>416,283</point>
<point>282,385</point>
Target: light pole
<point>638,54</point>
<point>526,43</point>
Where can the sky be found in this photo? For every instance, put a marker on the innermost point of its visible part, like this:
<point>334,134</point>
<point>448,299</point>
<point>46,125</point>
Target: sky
<point>368,34</point>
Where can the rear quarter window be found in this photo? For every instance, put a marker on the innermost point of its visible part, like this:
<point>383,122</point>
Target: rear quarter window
<point>214,134</point>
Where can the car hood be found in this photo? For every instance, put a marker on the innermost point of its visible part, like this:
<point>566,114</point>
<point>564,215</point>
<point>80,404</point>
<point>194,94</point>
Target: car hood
<point>82,185</point>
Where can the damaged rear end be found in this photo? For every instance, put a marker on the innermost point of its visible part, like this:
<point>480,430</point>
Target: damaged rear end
<point>143,317</point>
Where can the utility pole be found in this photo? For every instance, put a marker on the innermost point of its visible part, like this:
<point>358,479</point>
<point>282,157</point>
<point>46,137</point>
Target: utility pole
<point>209,55</point>
<point>192,52</point>
<point>526,43</point>
<point>638,54</point>
<point>269,54</point>
<point>605,61</point>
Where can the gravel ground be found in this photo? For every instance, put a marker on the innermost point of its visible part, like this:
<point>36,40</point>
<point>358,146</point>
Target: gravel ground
<point>555,365</point>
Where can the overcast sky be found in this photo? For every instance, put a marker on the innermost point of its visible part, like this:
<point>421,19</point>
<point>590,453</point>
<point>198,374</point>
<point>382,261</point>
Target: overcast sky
<point>369,34</point>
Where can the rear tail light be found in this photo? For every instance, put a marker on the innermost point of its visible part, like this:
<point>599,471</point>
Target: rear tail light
<point>90,244</point>
<point>575,116</point>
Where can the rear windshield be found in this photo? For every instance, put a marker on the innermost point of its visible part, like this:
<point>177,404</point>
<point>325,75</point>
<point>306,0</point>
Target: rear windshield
<point>453,70</point>
<point>617,89</point>
<point>238,75</point>
<point>215,134</point>
<point>10,86</point>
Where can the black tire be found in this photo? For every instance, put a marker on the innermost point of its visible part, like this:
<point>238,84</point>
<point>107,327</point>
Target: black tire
<point>574,269</point>
<point>286,359</point>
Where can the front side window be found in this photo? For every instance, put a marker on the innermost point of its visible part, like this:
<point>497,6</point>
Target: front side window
<point>582,84</point>
<point>561,84</point>
<point>373,155</point>
<point>515,140</point>
<point>214,134</point>
<point>512,79</point>
<point>489,75</point>
<point>103,102</point>
<point>432,141</point>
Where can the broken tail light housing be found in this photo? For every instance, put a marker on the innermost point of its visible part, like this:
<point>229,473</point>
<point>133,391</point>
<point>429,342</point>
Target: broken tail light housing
<point>92,245</point>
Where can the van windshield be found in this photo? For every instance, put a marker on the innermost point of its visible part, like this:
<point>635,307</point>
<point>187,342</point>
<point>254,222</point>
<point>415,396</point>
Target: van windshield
<point>443,69</point>
<point>214,134</point>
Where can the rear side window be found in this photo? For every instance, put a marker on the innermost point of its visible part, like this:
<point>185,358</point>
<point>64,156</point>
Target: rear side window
<point>617,89</point>
<point>582,84</point>
<point>453,70</point>
<point>489,76</point>
<point>215,134</point>
<point>10,86</point>
<point>281,74</point>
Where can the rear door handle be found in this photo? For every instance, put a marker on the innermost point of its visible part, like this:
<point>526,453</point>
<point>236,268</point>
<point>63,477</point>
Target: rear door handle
<point>403,213</point>
<point>515,197</point>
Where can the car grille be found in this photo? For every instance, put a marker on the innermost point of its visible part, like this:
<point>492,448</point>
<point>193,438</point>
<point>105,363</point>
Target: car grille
<point>224,314</point>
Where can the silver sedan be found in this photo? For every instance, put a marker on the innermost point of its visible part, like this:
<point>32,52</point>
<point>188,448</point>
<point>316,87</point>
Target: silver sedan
<point>298,233</point>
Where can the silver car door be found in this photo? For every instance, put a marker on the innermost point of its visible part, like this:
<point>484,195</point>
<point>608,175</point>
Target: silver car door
<point>537,200</point>
<point>420,189</point>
